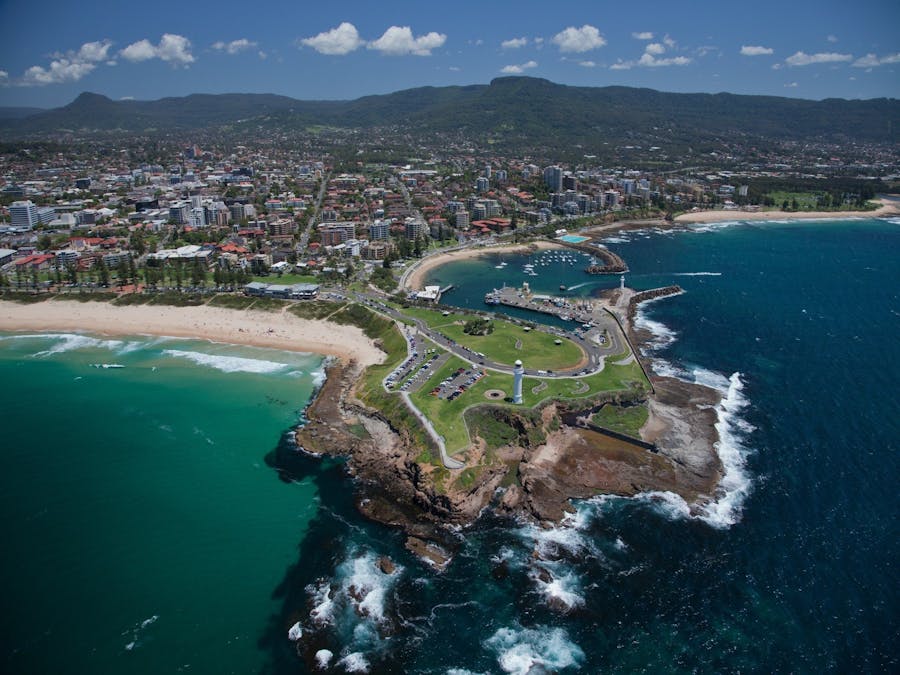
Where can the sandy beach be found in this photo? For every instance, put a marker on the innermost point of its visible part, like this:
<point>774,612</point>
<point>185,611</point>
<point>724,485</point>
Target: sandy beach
<point>278,330</point>
<point>416,277</point>
<point>887,208</point>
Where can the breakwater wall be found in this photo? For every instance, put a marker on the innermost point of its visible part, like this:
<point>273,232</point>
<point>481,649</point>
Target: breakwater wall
<point>610,262</point>
<point>652,294</point>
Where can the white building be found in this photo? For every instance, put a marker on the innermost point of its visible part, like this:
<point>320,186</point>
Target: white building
<point>23,214</point>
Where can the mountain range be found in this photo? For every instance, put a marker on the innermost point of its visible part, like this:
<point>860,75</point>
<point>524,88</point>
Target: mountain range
<point>508,110</point>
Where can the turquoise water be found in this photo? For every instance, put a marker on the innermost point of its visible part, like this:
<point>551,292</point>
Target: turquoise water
<point>143,530</point>
<point>118,508</point>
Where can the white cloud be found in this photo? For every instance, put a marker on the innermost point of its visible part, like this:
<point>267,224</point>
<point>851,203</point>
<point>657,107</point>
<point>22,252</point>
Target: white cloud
<point>4,77</point>
<point>791,85</point>
<point>871,60</point>
<point>645,35</point>
<point>455,69</point>
<point>399,41</point>
<point>587,64</point>
<point>127,98</point>
<point>68,67</point>
<point>669,42</point>
<point>832,38</point>
<point>174,49</point>
<point>579,40</point>
<point>337,41</point>
<point>92,52</point>
<point>649,59</point>
<point>514,43</point>
<point>804,59</point>
<point>235,46</point>
<point>517,69</point>
<point>261,54</point>
<point>59,71</point>
<point>142,50</point>
<point>756,50</point>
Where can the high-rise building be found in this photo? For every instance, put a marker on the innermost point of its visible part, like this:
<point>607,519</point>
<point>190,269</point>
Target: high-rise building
<point>379,230</point>
<point>482,184</point>
<point>416,229</point>
<point>179,212</point>
<point>237,212</point>
<point>46,214</point>
<point>487,171</point>
<point>23,214</point>
<point>553,178</point>
<point>570,182</point>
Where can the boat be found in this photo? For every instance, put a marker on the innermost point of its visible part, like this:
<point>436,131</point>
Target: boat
<point>562,287</point>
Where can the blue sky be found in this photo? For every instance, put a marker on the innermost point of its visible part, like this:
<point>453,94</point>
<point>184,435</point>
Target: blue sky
<point>50,51</point>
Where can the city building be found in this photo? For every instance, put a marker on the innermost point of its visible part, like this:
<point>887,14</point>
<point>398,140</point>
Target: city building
<point>23,214</point>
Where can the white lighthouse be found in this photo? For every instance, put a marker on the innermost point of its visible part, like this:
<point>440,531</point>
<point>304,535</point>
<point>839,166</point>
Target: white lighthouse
<point>622,282</point>
<point>518,372</point>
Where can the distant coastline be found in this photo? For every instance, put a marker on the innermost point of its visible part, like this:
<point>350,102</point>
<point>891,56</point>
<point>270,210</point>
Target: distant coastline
<point>887,208</point>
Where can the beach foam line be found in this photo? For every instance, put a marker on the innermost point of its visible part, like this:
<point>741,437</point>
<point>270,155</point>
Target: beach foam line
<point>520,650</point>
<point>229,364</point>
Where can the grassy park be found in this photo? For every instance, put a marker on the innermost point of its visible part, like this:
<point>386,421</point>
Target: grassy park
<point>507,342</point>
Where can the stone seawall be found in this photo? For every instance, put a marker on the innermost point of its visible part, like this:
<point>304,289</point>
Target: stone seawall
<point>652,294</point>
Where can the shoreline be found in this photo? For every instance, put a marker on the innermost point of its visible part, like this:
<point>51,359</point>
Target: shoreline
<point>417,274</point>
<point>272,330</point>
<point>888,208</point>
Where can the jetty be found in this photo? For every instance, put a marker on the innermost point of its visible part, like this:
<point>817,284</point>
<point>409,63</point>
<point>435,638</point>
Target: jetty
<point>608,262</point>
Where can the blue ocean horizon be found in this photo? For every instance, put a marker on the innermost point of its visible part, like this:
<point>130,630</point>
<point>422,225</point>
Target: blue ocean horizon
<point>157,518</point>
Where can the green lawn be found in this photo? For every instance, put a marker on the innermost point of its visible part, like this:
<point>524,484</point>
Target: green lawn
<point>447,416</point>
<point>805,200</point>
<point>624,419</point>
<point>538,349</point>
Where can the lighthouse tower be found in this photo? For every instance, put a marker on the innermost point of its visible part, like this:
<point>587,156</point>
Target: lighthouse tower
<point>622,282</point>
<point>518,372</point>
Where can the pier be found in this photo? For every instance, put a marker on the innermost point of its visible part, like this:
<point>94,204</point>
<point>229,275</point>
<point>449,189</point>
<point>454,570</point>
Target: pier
<point>610,263</point>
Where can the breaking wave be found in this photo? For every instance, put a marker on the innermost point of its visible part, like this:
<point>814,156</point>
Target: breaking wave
<point>229,364</point>
<point>531,650</point>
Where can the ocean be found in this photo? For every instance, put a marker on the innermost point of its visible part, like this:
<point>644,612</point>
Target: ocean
<point>156,519</point>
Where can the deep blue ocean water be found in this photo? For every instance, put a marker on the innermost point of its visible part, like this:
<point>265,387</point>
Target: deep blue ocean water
<point>793,570</point>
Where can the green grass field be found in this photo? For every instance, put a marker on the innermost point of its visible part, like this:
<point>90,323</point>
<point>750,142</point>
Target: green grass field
<point>624,419</point>
<point>538,349</point>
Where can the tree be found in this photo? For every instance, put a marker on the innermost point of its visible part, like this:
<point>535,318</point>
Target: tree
<point>44,242</point>
<point>103,273</point>
<point>122,272</point>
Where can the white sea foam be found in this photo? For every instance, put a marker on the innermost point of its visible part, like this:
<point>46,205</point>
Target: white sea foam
<point>565,537</point>
<point>713,227</point>
<point>519,650</point>
<point>229,364</point>
<point>892,221</point>
<point>323,658</point>
<point>696,274</point>
<point>663,336</point>
<point>354,662</point>
<point>563,590</point>
<point>135,632</point>
<point>67,342</point>
<point>616,240</point>
<point>296,632</point>
<point>736,482</point>
<point>323,604</point>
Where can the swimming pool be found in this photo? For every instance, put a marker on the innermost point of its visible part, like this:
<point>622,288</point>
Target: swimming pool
<point>573,239</point>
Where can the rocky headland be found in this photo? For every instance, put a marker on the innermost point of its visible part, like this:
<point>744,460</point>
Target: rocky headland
<point>558,456</point>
